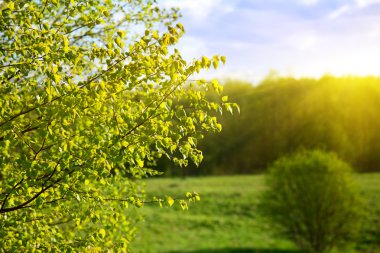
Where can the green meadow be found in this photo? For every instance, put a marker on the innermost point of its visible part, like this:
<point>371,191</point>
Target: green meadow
<point>226,218</point>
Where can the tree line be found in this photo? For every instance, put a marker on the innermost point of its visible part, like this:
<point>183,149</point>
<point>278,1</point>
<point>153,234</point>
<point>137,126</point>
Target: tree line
<point>280,116</point>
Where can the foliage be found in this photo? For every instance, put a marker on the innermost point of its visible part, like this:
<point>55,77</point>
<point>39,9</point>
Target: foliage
<point>281,115</point>
<point>312,200</point>
<point>88,94</point>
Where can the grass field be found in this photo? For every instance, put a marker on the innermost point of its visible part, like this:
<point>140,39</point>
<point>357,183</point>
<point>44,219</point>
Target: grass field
<point>226,219</point>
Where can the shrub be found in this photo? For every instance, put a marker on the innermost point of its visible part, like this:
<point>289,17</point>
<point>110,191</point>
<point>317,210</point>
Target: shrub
<point>310,198</point>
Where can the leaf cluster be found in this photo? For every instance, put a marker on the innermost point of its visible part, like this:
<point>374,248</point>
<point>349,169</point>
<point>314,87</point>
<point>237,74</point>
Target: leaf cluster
<point>88,104</point>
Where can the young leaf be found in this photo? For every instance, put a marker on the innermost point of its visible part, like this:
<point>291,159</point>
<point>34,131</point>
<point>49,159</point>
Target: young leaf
<point>223,59</point>
<point>102,232</point>
<point>170,200</point>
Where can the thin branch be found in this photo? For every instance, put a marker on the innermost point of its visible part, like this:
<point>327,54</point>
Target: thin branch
<point>23,131</point>
<point>10,192</point>
<point>153,115</point>
<point>12,64</point>
<point>41,13</point>
<point>20,136</point>
<point>60,222</point>
<point>25,204</point>
<point>20,114</point>
<point>44,188</point>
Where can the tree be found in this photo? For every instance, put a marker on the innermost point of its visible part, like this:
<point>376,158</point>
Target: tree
<point>311,199</point>
<point>88,90</point>
<point>282,115</point>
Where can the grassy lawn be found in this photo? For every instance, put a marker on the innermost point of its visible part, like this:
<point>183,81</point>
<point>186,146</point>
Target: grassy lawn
<point>225,220</point>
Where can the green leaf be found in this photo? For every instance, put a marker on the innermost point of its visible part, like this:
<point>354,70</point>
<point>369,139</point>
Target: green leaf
<point>140,163</point>
<point>223,59</point>
<point>170,200</point>
<point>180,26</point>
<point>106,13</point>
<point>11,5</point>
<point>57,78</point>
<point>183,205</point>
<point>229,107</point>
<point>121,34</point>
<point>65,44</point>
<point>215,61</point>
<point>119,42</point>
<point>102,232</point>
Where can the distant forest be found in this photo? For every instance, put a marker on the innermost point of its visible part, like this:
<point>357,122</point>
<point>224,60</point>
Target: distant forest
<point>282,115</point>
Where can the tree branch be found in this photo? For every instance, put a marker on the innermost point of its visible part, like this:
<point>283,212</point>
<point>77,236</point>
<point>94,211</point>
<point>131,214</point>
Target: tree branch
<point>10,192</point>
<point>44,188</point>
<point>23,131</point>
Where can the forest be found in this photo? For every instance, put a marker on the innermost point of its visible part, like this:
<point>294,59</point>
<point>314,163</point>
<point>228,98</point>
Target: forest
<point>282,115</point>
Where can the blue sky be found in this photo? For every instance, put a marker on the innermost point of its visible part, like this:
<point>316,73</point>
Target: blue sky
<point>292,37</point>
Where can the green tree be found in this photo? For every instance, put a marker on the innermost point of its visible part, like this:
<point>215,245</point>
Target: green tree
<point>282,115</point>
<point>88,90</point>
<point>311,199</point>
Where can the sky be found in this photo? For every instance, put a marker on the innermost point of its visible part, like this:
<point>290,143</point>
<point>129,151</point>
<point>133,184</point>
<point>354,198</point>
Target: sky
<point>292,37</point>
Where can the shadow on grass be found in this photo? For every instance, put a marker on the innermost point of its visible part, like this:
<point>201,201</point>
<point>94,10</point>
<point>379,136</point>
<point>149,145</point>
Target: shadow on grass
<point>240,250</point>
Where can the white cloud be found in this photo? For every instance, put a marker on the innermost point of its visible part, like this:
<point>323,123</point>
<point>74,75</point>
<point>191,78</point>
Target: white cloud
<point>309,2</point>
<point>340,11</point>
<point>304,41</point>
<point>191,47</point>
<point>365,3</point>
<point>199,10</point>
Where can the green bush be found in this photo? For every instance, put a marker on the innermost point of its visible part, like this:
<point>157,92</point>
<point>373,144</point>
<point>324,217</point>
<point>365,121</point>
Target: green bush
<point>311,199</point>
